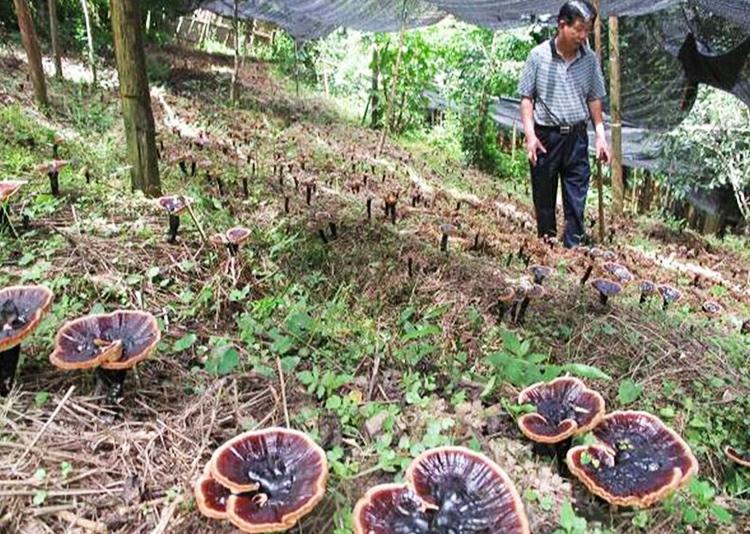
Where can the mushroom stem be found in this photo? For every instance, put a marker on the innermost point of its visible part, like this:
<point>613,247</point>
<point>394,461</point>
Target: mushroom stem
<point>502,307</point>
<point>643,298</point>
<point>587,274</point>
<point>509,260</point>
<point>665,305</point>
<point>322,235</point>
<point>410,266</point>
<point>476,242</point>
<point>174,225</point>
<point>244,187</point>
<point>286,204</point>
<point>183,167</point>
<point>444,243</point>
<point>113,380</point>
<point>603,298</point>
<point>221,185</point>
<point>369,209</point>
<point>393,213</point>
<point>308,194</point>
<point>8,364</point>
<point>334,230</point>
<point>54,183</point>
<point>193,168</point>
<point>233,249</point>
<point>522,310</point>
<point>364,180</point>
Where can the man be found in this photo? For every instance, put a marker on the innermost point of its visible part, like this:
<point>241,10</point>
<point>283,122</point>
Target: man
<point>561,87</point>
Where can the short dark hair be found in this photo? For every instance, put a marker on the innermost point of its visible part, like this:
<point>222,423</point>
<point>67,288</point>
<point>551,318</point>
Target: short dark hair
<point>577,9</point>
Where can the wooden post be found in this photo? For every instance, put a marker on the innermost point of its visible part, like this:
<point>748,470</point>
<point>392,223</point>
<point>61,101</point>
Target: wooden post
<point>598,164</point>
<point>30,43</point>
<point>134,94</point>
<point>618,187</point>
<point>90,39</point>
<point>392,95</point>
<point>234,90</point>
<point>55,38</point>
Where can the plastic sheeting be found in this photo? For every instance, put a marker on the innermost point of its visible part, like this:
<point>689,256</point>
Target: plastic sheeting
<point>308,19</point>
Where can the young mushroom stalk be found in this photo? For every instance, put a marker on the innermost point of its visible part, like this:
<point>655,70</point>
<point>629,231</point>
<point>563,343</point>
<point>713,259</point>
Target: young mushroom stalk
<point>587,274</point>
<point>446,230</point>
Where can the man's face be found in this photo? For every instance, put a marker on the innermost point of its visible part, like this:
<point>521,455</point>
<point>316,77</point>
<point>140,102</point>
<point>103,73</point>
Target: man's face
<point>575,34</point>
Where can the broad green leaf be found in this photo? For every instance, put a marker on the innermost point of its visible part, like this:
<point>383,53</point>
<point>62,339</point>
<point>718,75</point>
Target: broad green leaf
<point>628,392</point>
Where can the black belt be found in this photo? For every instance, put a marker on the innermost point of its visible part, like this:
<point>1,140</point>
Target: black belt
<point>563,128</point>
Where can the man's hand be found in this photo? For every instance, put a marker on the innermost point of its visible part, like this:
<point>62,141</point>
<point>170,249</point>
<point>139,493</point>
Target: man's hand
<point>603,153</point>
<point>533,147</point>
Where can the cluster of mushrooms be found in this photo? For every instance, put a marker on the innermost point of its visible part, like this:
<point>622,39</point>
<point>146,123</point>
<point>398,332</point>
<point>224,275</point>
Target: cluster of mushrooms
<point>263,480</point>
<point>636,460</point>
<point>111,343</point>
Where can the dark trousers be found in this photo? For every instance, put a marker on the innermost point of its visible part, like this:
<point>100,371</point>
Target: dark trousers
<point>567,159</point>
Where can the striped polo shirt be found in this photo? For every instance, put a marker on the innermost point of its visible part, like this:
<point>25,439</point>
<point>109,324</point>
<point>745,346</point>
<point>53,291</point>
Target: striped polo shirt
<point>561,91</point>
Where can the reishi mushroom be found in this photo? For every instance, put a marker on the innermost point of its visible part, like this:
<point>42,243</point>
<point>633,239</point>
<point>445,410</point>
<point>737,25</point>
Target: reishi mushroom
<point>21,309</point>
<point>466,488</point>
<point>533,292</point>
<point>52,168</point>
<point>111,342</point>
<point>232,239</point>
<point>447,489</point>
<point>263,480</point>
<point>565,407</point>
<point>606,289</point>
<point>669,295</point>
<point>618,271</point>
<point>446,230</point>
<point>504,300</point>
<point>738,456</point>
<point>540,273</point>
<point>711,308</point>
<point>174,205</point>
<point>637,461</point>
<point>647,288</point>
<point>8,188</point>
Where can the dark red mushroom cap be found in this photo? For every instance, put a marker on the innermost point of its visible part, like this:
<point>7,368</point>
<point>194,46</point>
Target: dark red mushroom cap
<point>540,272</point>
<point>448,229</point>
<point>608,288</point>
<point>669,293</point>
<point>238,235</point>
<point>647,287</point>
<point>8,188</point>
<point>506,294</point>
<point>535,292</point>
<point>53,166</point>
<point>711,308</point>
<point>468,490</point>
<point>285,468</point>
<point>738,456</point>
<point>116,340</point>
<point>174,204</point>
<point>618,271</point>
<point>210,496</point>
<point>637,462</point>
<point>608,255</point>
<point>564,407</point>
<point>595,252</point>
<point>21,309</point>
<point>391,508</point>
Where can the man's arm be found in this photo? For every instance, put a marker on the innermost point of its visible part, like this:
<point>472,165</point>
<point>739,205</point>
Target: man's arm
<point>602,147</point>
<point>533,144</point>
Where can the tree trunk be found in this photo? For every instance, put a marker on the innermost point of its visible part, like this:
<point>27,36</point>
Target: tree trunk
<point>30,43</point>
<point>134,94</point>
<point>484,102</point>
<point>376,112</point>
<point>234,90</point>
<point>90,39</point>
<point>392,95</point>
<point>618,186</point>
<point>55,38</point>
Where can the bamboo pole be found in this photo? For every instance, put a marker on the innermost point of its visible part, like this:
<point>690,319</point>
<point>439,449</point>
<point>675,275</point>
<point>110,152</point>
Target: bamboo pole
<point>34,56</point>
<point>90,39</point>
<point>598,164</point>
<point>392,95</point>
<point>134,94</point>
<point>55,38</point>
<point>618,187</point>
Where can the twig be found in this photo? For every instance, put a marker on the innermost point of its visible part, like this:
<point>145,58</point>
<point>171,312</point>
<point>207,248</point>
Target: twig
<point>85,524</point>
<point>283,391</point>
<point>195,219</point>
<point>167,515</point>
<point>41,431</point>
